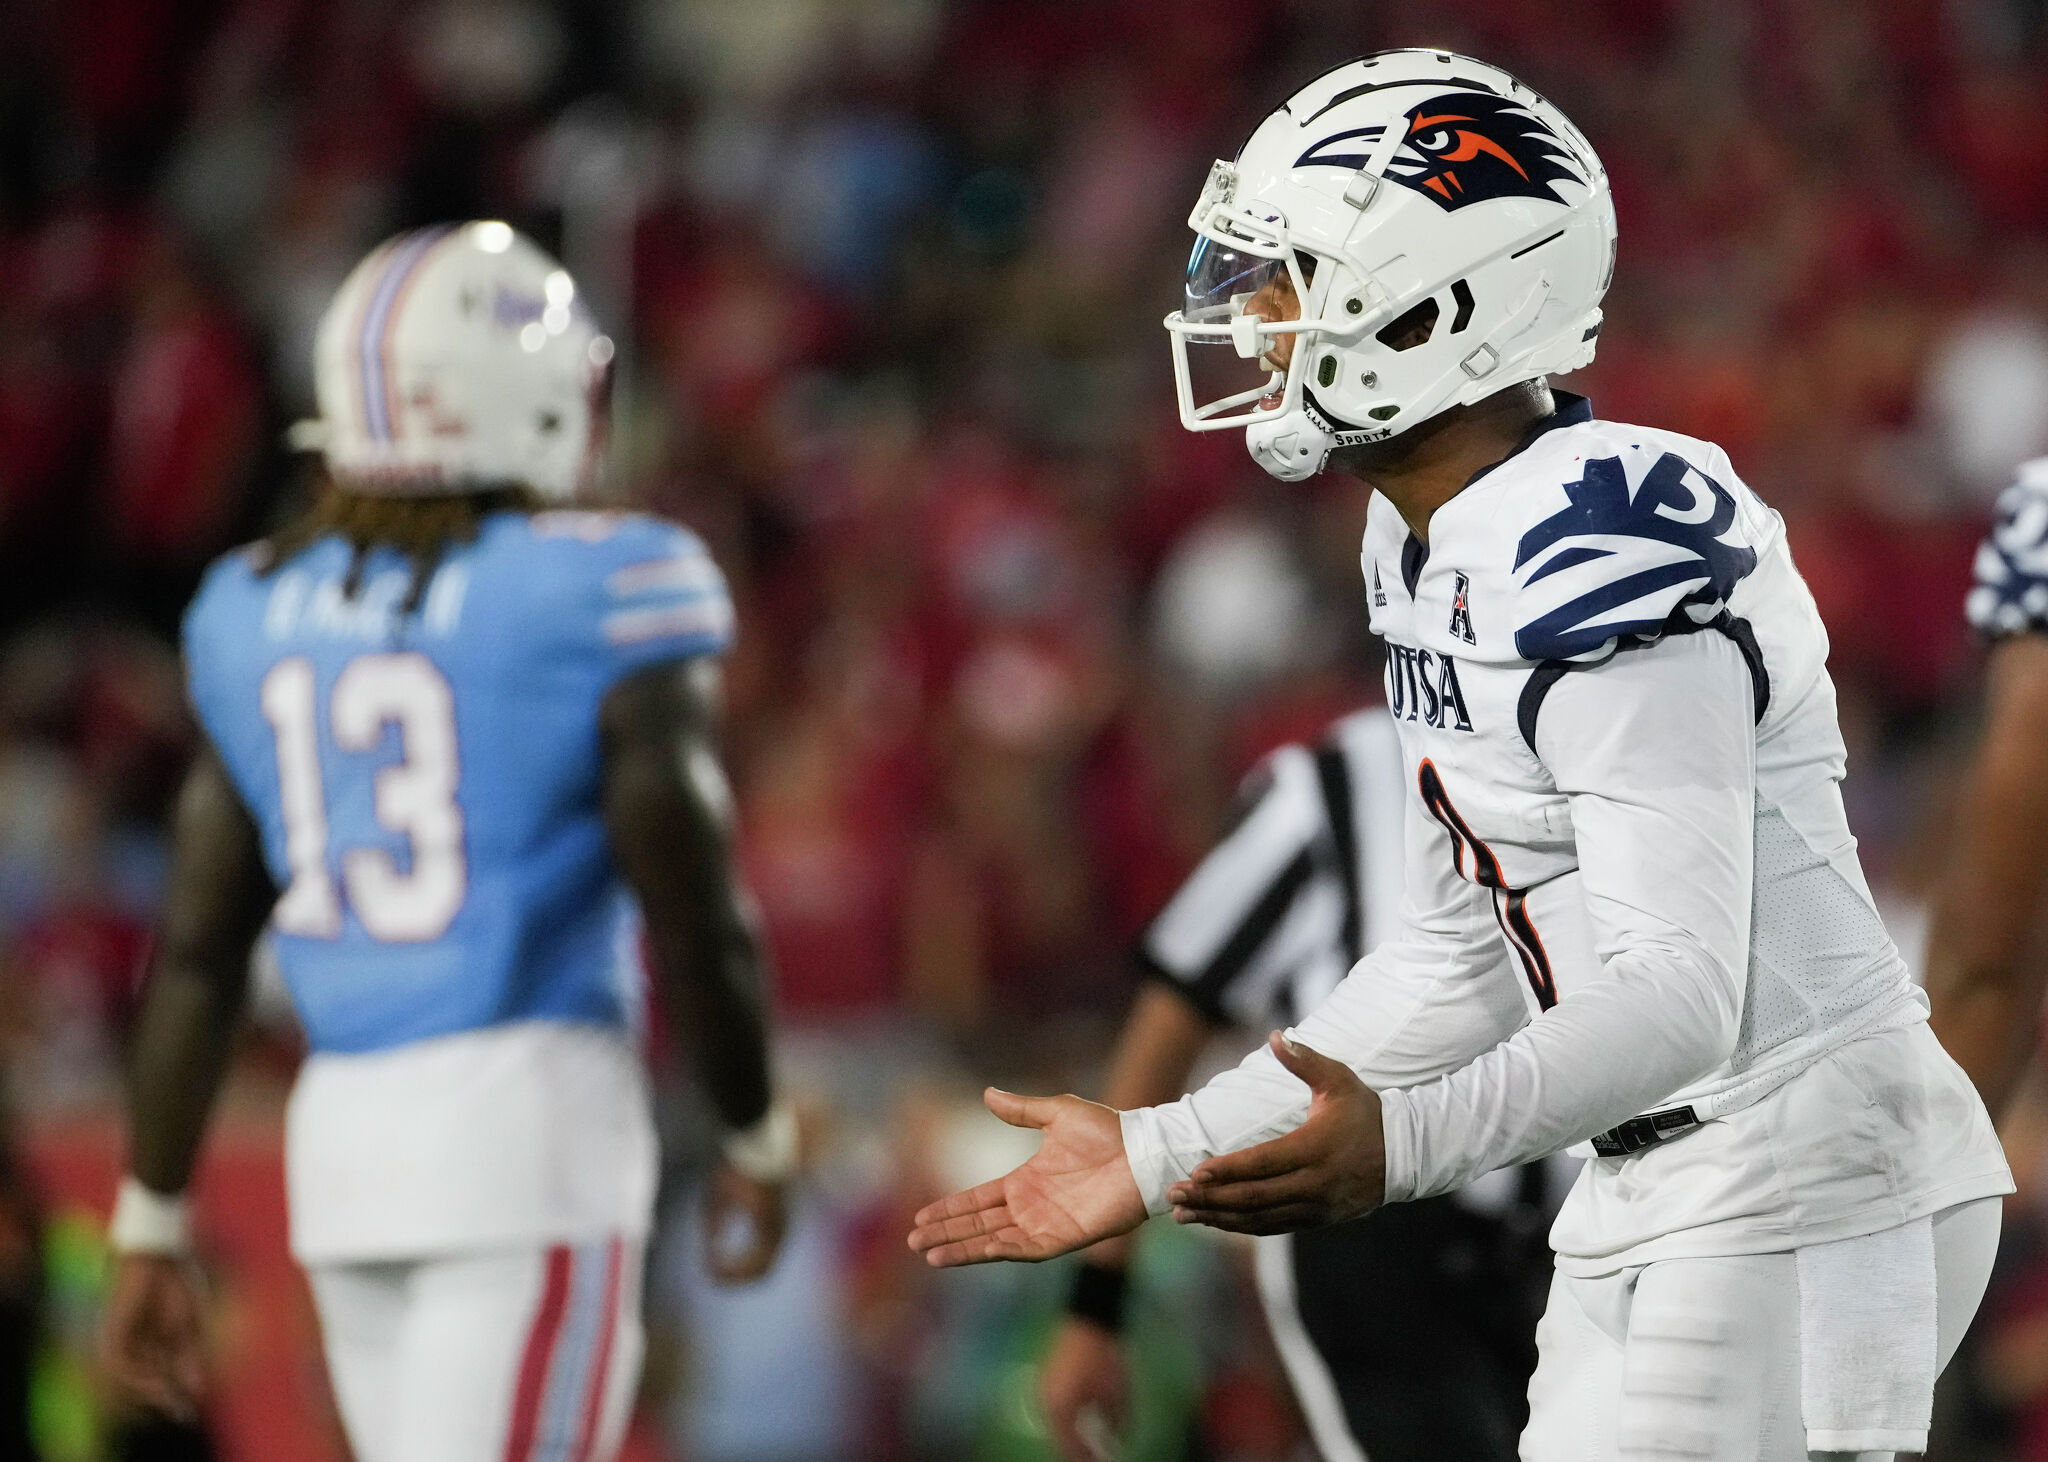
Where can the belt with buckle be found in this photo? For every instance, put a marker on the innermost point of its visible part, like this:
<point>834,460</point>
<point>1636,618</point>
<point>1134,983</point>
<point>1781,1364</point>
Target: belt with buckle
<point>1647,1130</point>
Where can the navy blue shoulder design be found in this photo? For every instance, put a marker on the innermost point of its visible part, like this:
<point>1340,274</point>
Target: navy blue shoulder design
<point>1622,562</point>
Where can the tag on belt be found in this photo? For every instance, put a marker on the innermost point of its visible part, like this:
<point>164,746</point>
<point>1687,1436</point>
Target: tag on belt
<point>1647,1130</point>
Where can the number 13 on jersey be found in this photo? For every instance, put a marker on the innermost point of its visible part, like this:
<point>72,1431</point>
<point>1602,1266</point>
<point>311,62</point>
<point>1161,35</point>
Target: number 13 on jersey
<point>414,797</point>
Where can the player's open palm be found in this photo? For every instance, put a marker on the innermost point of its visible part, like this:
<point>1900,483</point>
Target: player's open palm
<point>1076,1190</point>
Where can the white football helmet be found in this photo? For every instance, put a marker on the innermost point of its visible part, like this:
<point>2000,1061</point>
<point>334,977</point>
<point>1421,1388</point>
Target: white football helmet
<point>1418,190</point>
<point>454,356</point>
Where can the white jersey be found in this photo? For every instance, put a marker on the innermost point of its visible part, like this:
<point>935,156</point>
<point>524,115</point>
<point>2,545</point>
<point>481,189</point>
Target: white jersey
<point>1634,912</point>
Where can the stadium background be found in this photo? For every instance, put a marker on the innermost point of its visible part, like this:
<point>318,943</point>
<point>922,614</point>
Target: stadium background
<point>887,277</point>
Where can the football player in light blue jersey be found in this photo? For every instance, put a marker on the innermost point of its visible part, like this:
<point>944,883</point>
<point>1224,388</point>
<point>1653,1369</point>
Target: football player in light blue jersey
<point>459,759</point>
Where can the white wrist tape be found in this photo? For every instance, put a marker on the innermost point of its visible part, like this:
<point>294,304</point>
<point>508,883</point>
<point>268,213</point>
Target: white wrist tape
<point>766,1151</point>
<point>147,1222</point>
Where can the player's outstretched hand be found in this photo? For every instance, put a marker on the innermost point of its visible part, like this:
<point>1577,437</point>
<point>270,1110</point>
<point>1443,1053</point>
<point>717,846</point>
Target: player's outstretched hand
<point>748,1207</point>
<point>150,1339</point>
<point>1076,1190</point>
<point>1330,1168</point>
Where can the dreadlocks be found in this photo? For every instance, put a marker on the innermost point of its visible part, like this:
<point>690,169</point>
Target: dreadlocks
<point>421,528</point>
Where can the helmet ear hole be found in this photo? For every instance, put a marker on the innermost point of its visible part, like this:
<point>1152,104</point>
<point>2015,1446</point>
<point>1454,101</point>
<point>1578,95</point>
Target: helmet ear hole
<point>1411,328</point>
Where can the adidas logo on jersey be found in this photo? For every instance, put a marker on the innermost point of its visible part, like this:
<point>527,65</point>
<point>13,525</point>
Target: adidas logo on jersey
<point>1379,595</point>
<point>1424,687</point>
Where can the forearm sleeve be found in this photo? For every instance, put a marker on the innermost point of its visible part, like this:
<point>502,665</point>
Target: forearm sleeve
<point>1422,1003</point>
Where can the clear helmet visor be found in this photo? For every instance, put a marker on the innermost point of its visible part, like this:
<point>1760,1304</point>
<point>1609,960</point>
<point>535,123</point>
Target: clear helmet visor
<point>1224,281</point>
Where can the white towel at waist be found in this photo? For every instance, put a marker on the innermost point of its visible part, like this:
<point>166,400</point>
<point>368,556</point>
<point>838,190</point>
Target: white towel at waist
<point>1867,1340</point>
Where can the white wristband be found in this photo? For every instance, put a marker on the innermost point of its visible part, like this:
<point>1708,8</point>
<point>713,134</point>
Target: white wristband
<point>148,1222</point>
<point>766,1151</point>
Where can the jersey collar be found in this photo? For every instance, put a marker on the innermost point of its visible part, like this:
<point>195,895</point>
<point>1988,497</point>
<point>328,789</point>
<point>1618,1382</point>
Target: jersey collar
<point>1569,409</point>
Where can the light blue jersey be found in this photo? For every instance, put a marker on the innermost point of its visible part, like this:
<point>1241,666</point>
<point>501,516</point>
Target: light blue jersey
<point>427,784</point>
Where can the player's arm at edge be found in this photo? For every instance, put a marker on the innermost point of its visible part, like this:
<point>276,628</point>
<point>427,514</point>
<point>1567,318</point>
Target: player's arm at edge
<point>1985,992</point>
<point>218,897</point>
<point>668,814</point>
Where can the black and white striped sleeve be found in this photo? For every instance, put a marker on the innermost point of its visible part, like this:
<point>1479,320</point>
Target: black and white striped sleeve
<point>1268,899</point>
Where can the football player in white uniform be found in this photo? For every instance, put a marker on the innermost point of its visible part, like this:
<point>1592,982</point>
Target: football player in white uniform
<point>1634,915</point>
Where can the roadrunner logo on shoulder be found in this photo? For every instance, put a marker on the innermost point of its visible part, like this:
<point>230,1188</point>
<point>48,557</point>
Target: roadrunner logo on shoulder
<point>1462,147</point>
<point>1619,560</point>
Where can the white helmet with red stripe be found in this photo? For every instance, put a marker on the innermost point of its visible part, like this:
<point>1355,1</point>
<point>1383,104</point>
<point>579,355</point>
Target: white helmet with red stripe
<point>460,356</point>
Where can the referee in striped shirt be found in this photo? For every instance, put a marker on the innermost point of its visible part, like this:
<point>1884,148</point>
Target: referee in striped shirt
<point>1408,1334</point>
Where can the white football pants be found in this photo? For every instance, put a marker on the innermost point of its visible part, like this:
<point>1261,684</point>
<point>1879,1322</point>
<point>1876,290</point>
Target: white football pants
<point>1613,1382</point>
<point>524,1355</point>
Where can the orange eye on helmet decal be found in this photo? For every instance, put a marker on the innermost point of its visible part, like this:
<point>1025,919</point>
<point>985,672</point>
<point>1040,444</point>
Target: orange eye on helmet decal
<point>1462,147</point>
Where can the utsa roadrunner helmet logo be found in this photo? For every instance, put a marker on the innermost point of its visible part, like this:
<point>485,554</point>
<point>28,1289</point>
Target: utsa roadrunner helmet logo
<point>1462,147</point>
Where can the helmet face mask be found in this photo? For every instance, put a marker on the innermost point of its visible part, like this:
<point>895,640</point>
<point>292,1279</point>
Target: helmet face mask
<point>457,358</point>
<point>1241,256</point>
<point>1402,180</point>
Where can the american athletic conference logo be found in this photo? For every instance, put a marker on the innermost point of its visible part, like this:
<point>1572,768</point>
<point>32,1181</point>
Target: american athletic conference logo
<point>1462,147</point>
<point>1461,609</point>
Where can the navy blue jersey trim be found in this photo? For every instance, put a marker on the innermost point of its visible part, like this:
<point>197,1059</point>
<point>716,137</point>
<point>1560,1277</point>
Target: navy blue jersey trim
<point>1570,409</point>
<point>1530,704</point>
<point>1513,919</point>
<point>1546,676</point>
<point>1334,775</point>
<point>1569,558</point>
<point>1566,630</point>
<point>1414,554</point>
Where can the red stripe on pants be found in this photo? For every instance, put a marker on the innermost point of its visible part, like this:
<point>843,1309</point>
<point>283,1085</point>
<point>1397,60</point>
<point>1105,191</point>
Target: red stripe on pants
<point>540,1350</point>
<point>600,1366</point>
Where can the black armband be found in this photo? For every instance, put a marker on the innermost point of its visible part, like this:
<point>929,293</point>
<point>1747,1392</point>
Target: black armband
<point>1098,1296</point>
